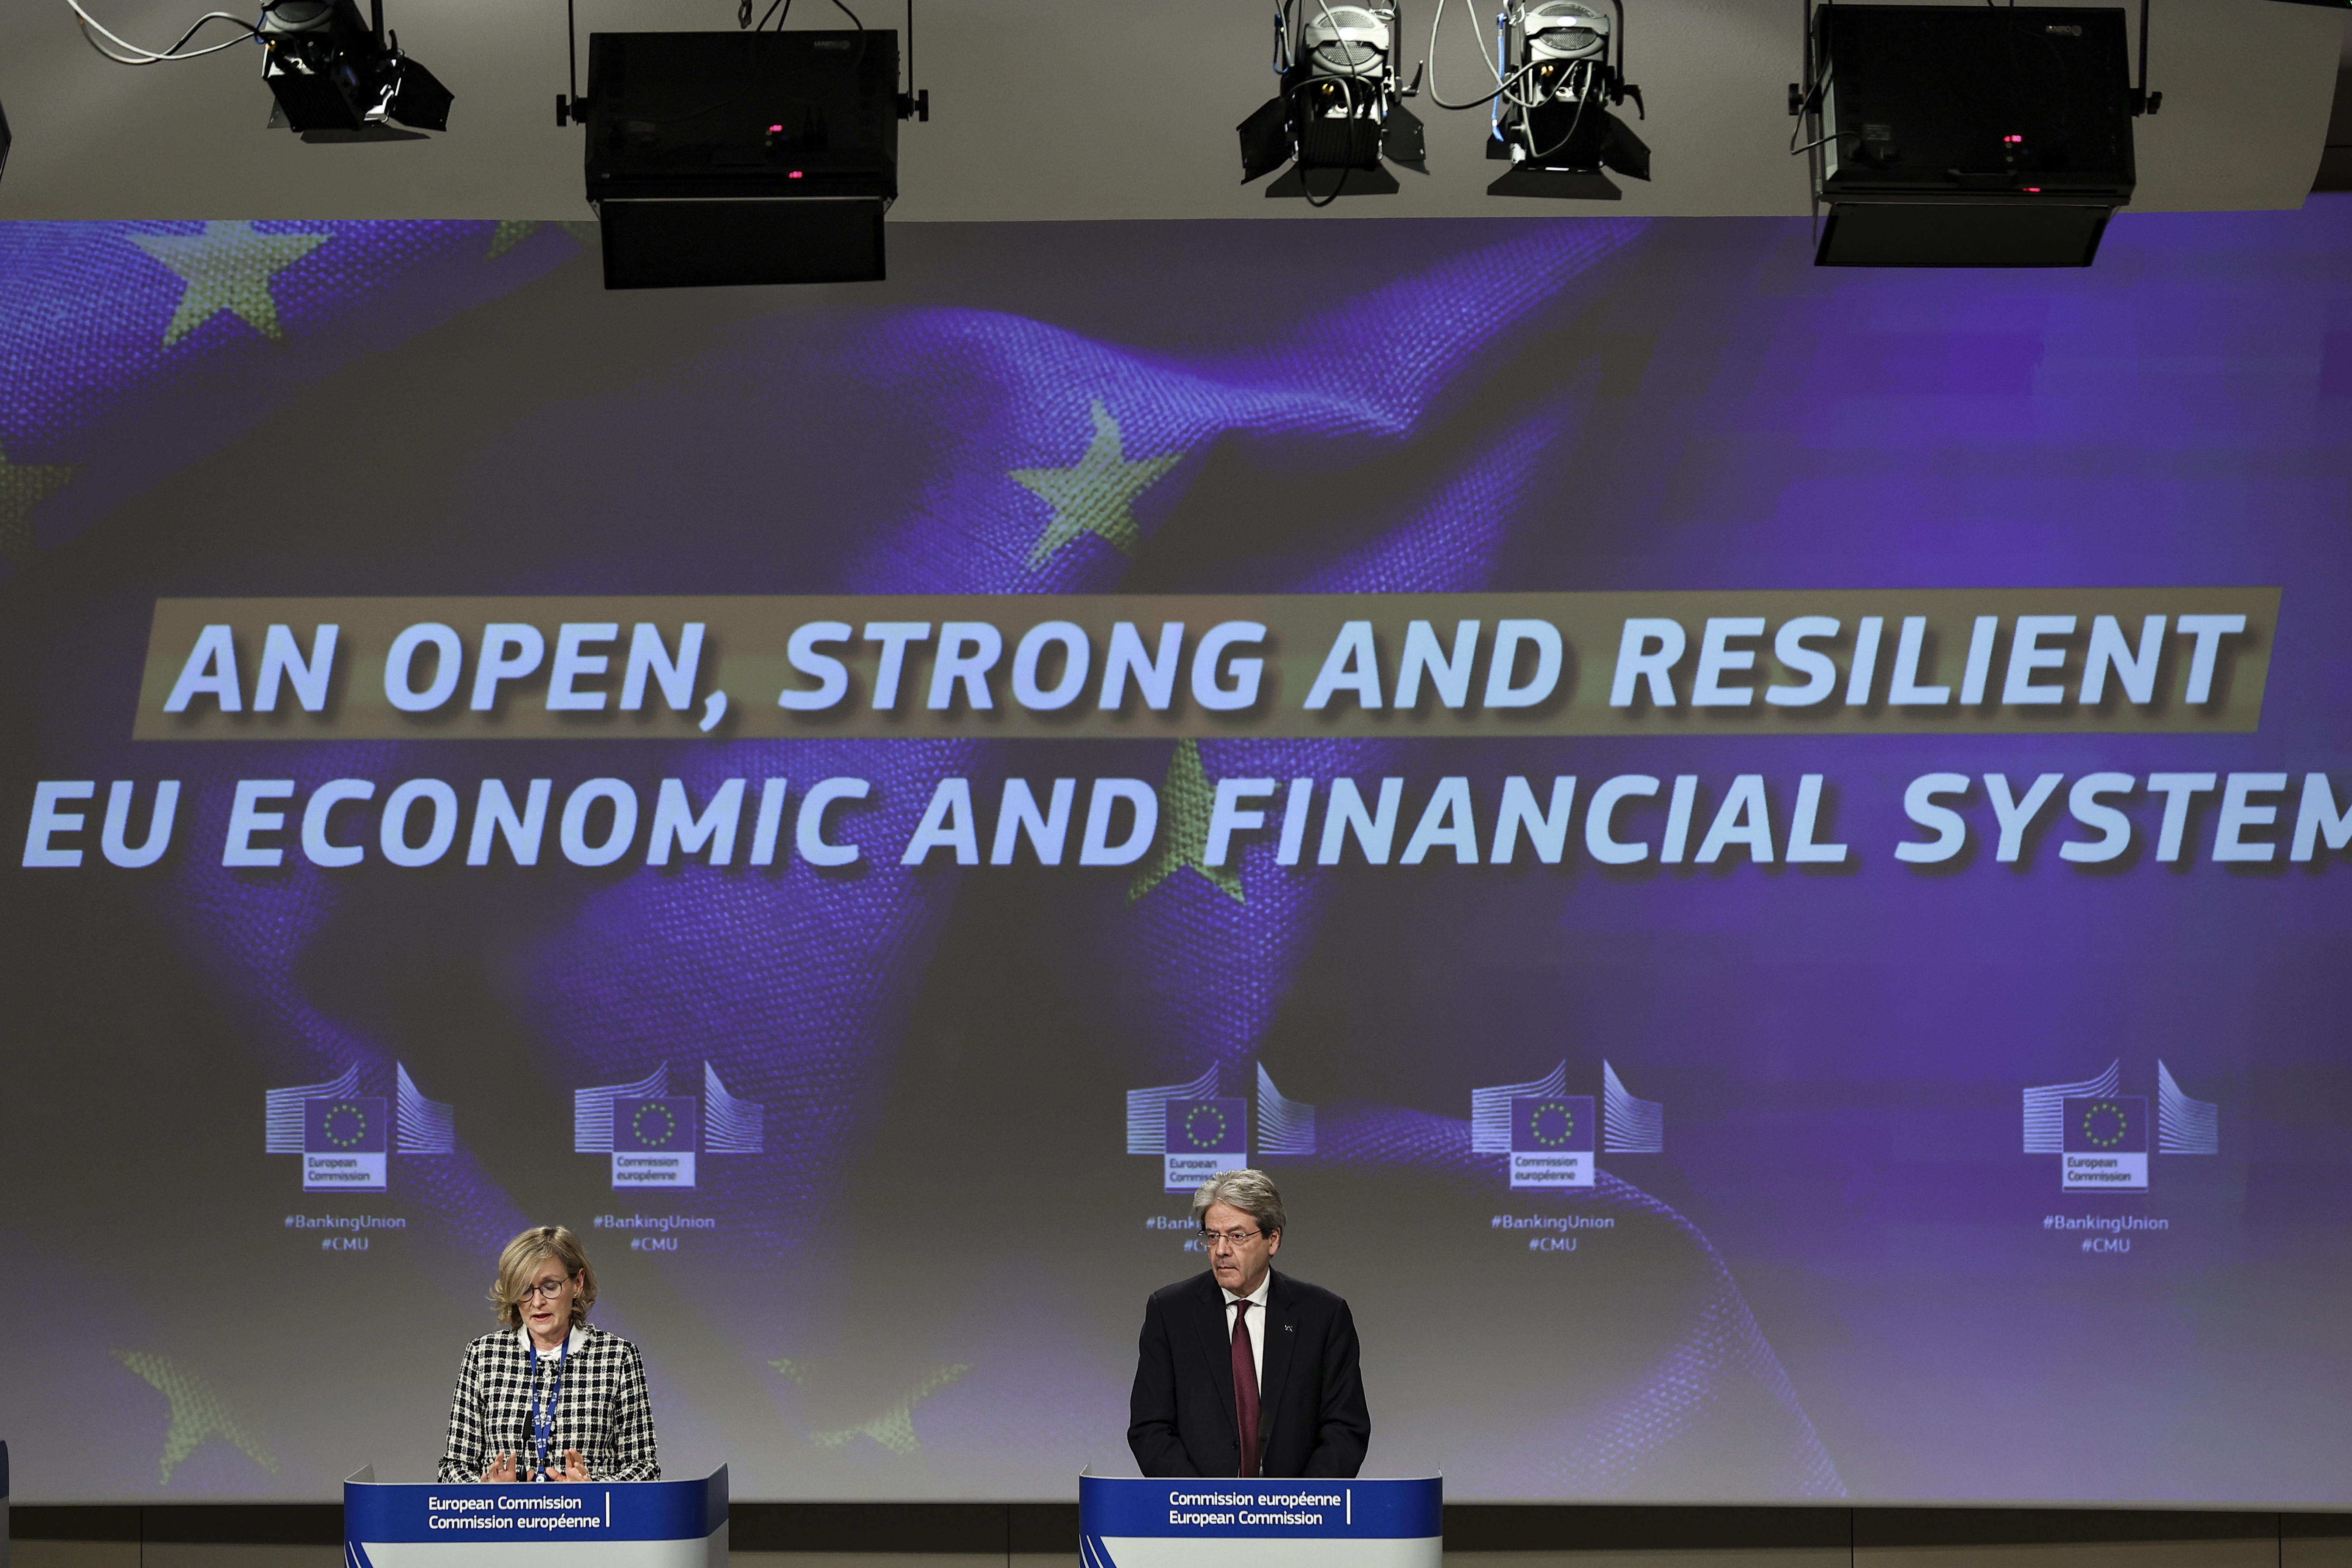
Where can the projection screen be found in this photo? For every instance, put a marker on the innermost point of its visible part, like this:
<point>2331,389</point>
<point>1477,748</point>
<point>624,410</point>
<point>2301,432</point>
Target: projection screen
<point>1760,851</point>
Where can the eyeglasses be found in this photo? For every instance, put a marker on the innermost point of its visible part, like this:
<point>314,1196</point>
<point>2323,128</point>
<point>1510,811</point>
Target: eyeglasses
<point>550,1289</point>
<point>1210,1239</point>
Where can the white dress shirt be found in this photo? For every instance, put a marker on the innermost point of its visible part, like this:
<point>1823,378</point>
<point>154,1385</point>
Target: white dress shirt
<point>1257,1324</point>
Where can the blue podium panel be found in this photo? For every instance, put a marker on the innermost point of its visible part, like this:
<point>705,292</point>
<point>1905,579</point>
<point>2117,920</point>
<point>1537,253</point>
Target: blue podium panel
<point>1259,1524</point>
<point>604,1524</point>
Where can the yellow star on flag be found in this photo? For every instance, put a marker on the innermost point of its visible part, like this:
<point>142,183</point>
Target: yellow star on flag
<point>23,487</point>
<point>511,232</point>
<point>1187,800</point>
<point>1095,495</point>
<point>197,1411</point>
<point>894,1427</point>
<point>227,268</point>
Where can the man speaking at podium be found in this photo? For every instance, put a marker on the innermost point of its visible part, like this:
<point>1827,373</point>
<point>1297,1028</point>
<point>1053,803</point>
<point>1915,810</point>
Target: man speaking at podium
<point>1242,1371</point>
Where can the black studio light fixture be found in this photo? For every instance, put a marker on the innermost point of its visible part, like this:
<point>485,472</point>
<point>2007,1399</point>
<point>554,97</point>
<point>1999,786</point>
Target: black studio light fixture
<point>331,71</point>
<point>332,75</point>
<point>4,139</point>
<point>745,157</point>
<point>1339,115</point>
<point>1968,136</point>
<point>1553,120</point>
<point>1558,74</point>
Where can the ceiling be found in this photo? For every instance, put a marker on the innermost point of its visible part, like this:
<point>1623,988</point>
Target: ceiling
<point>1055,109</point>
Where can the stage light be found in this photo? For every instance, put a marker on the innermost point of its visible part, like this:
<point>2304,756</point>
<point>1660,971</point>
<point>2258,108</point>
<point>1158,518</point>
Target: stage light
<point>1558,68</point>
<point>1955,136</point>
<point>332,75</point>
<point>331,71</point>
<point>783,177</point>
<point>1339,111</point>
<point>1552,117</point>
<point>4,139</point>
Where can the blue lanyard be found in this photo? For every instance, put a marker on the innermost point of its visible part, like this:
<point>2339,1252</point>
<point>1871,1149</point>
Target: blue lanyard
<point>542,1418</point>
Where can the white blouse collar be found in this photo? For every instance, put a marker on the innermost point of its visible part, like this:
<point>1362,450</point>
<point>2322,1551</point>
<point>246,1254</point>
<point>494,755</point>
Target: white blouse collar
<point>572,1341</point>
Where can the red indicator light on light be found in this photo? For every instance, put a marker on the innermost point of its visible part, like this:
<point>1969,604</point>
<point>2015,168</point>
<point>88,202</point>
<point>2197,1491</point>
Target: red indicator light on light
<point>775,131</point>
<point>2013,138</point>
<point>2033,190</point>
<point>793,176</point>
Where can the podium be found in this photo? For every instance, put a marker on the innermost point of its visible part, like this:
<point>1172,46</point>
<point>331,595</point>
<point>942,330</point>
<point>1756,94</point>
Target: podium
<point>1263,1523</point>
<point>603,1524</point>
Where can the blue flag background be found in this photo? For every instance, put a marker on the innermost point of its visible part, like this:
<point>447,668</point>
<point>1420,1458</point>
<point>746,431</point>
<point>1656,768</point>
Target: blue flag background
<point>1836,1280</point>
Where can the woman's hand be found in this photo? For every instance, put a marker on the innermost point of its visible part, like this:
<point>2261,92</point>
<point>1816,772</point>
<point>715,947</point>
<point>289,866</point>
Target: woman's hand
<point>502,1470</point>
<point>575,1469</point>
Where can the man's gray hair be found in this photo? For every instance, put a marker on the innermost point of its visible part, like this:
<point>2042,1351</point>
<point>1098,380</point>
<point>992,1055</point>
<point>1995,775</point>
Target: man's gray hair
<point>1252,1192</point>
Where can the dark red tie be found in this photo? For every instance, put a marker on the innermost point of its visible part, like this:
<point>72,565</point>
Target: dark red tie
<point>1245,1388</point>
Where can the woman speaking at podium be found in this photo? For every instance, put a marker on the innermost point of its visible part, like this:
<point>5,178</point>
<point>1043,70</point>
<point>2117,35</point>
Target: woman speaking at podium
<point>548,1397</point>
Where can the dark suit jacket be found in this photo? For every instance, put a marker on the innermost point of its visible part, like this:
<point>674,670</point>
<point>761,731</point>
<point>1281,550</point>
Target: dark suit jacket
<point>1311,1415</point>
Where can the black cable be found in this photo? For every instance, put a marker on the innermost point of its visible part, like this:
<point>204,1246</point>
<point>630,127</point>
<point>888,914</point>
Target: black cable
<point>2143,56</point>
<point>1811,104</point>
<point>1814,91</point>
<point>861,32</point>
<point>1505,87</point>
<point>1510,84</point>
<point>1339,186</point>
<point>1573,125</point>
<point>1298,143</point>
<point>787,7</point>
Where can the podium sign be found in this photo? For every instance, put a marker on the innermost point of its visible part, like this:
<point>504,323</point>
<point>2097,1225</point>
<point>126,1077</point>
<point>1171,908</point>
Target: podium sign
<point>604,1524</point>
<point>1227,1523</point>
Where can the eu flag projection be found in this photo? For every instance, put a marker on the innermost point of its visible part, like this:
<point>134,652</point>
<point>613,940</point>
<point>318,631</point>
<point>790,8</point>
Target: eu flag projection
<point>652,1142</point>
<point>1551,1141</point>
<point>2105,1147</point>
<point>343,1145</point>
<point>1204,1137</point>
<point>1222,693</point>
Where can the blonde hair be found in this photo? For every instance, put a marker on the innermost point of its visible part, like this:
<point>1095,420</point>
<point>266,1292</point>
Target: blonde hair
<point>522,1260</point>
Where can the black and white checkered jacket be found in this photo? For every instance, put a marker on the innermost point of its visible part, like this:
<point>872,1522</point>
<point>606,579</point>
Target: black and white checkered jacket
<point>601,1408</point>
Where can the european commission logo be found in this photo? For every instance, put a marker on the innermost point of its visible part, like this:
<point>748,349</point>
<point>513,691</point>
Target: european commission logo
<point>1551,1138</point>
<point>346,1138</point>
<point>1201,1138</point>
<point>2103,1137</point>
<point>2104,1142</point>
<point>346,1144</point>
<point>653,1136</point>
<point>1553,1141</point>
<point>1197,1132</point>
